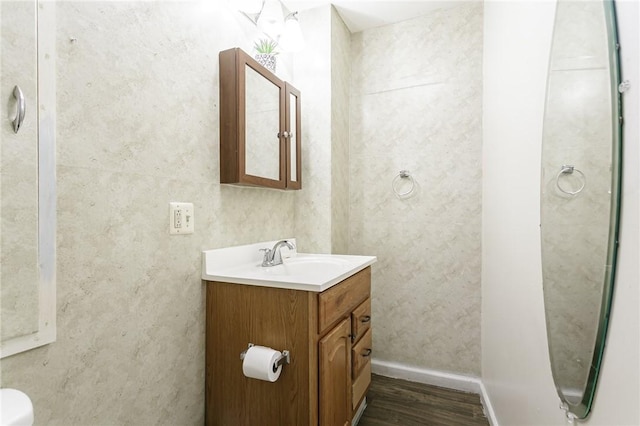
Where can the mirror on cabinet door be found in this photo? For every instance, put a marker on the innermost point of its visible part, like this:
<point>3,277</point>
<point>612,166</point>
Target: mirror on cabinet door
<point>259,125</point>
<point>262,125</point>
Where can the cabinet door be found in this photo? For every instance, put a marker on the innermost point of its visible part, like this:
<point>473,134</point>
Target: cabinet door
<point>27,176</point>
<point>263,126</point>
<point>335,376</point>
<point>293,143</point>
<point>252,122</point>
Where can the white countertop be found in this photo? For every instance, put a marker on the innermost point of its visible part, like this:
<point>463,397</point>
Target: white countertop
<point>299,271</point>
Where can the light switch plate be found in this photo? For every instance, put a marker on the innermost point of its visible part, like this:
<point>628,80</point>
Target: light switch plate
<point>181,220</point>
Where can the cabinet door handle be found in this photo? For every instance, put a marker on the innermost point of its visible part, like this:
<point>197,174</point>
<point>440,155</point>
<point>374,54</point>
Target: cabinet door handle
<point>20,109</point>
<point>367,352</point>
<point>365,319</point>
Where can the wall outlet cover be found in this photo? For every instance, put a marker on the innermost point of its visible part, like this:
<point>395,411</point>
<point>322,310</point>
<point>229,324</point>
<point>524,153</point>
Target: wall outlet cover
<point>181,219</point>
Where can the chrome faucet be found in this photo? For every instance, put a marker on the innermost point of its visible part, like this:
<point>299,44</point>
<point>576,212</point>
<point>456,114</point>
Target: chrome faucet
<point>272,256</point>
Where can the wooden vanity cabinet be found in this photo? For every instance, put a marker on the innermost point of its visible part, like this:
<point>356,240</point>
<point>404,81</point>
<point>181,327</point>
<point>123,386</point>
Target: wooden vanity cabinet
<point>259,125</point>
<point>330,348</point>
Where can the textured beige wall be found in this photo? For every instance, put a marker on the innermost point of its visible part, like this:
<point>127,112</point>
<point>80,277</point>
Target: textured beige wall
<point>322,75</point>
<point>313,71</point>
<point>137,127</point>
<point>340,90</point>
<point>417,104</point>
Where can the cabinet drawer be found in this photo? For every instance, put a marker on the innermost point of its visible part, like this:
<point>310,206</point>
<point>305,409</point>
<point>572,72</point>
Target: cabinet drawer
<point>361,354</point>
<point>361,320</point>
<point>339,300</point>
<point>360,386</point>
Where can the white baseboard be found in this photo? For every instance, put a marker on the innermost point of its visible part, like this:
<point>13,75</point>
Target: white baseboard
<point>437,378</point>
<point>486,404</point>
<point>359,412</point>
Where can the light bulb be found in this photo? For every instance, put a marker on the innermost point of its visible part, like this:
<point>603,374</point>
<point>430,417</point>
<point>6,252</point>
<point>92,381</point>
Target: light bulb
<point>271,20</point>
<point>291,39</point>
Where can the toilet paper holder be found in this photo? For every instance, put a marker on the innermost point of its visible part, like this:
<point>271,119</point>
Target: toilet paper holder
<point>285,358</point>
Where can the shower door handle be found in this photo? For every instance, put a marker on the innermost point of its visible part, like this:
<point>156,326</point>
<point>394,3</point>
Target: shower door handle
<point>20,108</point>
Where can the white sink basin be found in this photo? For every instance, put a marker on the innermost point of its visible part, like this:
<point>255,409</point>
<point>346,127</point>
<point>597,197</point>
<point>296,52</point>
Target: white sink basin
<point>308,264</point>
<point>16,408</point>
<point>302,271</point>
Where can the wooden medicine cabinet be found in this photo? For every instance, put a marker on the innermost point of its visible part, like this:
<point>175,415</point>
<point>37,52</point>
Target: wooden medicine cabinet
<point>259,125</point>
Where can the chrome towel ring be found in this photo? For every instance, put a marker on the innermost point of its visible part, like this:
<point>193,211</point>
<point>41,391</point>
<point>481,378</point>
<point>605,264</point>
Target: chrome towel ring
<point>403,174</point>
<point>567,170</point>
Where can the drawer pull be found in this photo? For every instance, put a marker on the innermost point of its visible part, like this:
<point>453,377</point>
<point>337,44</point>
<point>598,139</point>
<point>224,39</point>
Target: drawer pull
<point>20,108</point>
<point>365,318</point>
<point>367,352</point>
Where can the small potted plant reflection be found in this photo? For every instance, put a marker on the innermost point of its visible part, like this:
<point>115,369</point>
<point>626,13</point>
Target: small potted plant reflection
<point>266,54</point>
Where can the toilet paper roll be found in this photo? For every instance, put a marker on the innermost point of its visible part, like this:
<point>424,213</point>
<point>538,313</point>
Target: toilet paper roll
<point>258,363</point>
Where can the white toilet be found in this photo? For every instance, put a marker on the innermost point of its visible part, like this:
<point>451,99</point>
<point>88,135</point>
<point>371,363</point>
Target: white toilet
<point>16,408</point>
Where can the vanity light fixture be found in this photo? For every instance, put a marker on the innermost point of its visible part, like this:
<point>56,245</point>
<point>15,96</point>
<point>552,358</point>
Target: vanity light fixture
<point>291,39</point>
<point>274,19</point>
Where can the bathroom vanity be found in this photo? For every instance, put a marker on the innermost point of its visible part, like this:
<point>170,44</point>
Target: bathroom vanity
<point>324,324</point>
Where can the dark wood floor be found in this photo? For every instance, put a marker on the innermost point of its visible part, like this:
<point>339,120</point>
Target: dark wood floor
<point>399,402</point>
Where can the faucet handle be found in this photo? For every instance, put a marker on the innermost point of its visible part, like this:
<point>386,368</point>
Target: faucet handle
<point>267,256</point>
